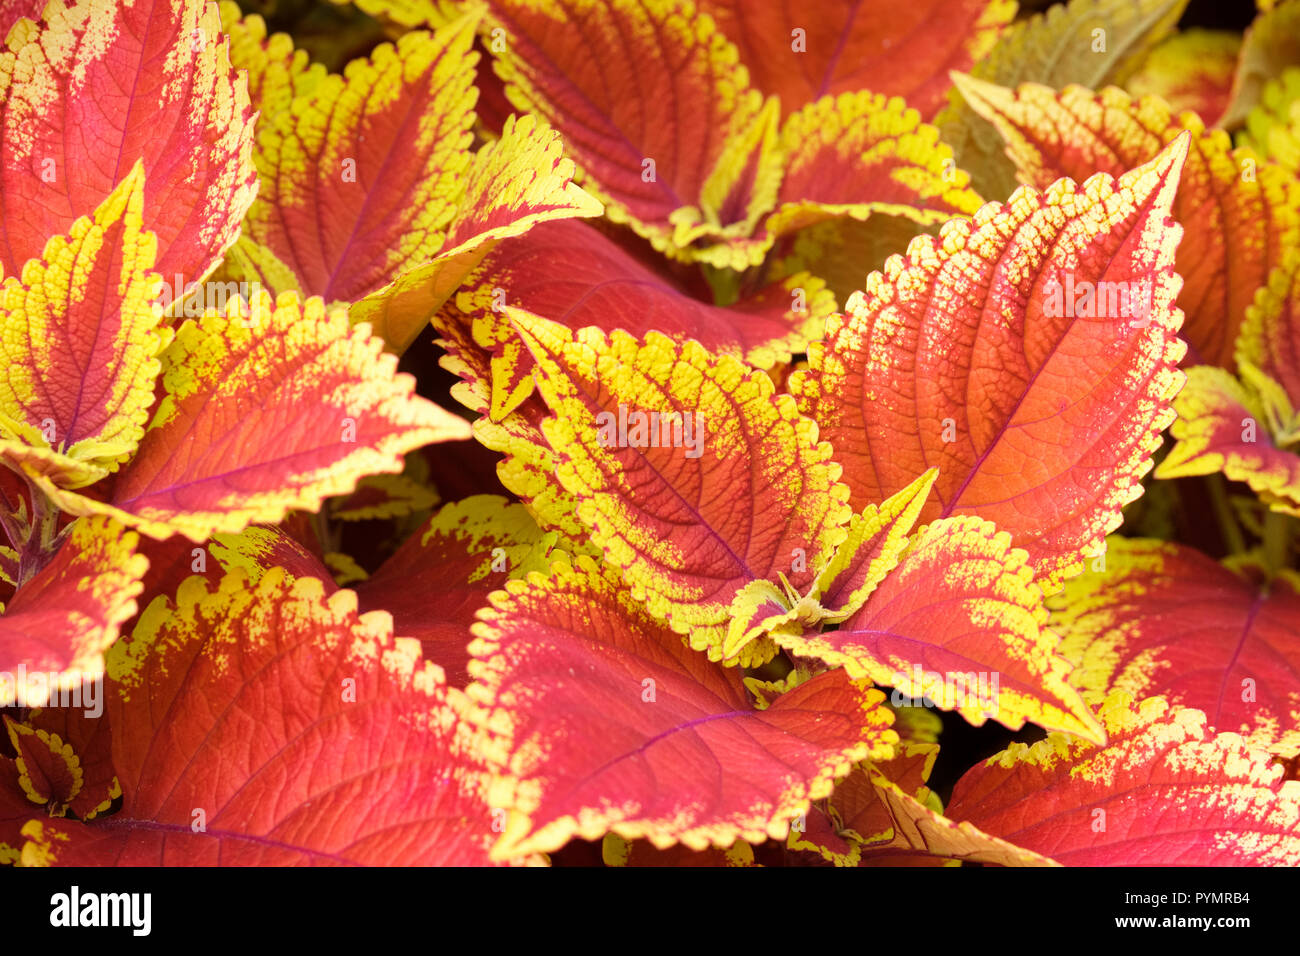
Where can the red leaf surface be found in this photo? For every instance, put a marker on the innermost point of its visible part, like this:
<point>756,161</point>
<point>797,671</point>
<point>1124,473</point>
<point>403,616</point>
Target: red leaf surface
<point>12,10</point>
<point>444,573</point>
<point>1164,620</point>
<point>271,725</point>
<point>963,355</point>
<point>60,622</point>
<point>606,721</point>
<point>625,82</point>
<point>900,50</point>
<point>1165,791</point>
<point>1238,213</point>
<point>99,85</point>
<point>574,274</point>
<point>270,407</point>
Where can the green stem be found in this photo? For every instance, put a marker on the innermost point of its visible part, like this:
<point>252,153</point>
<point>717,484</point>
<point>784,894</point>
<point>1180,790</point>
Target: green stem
<point>725,284</point>
<point>42,538</point>
<point>1277,541</point>
<point>1228,524</point>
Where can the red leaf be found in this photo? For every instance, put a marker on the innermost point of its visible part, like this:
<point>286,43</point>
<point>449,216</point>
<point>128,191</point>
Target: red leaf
<point>901,50</point>
<point>1039,417</point>
<point>625,83</point>
<point>572,273</point>
<point>270,407</point>
<point>102,84</point>
<point>961,622</point>
<point>444,573</point>
<point>1238,213</point>
<point>1164,620</point>
<point>608,722</point>
<point>62,620</point>
<point>1164,792</point>
<point>272,726</point>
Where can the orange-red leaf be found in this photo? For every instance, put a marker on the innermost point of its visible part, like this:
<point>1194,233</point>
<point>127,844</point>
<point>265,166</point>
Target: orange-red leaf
<point>79,353</point>
<point>1040,416</point>
<point>62,620</point>
<point>605,721</point>
<point>646,94</point>
<point>97,86</point>
<point>724,486</point>
<point>1164,620</point>
<point>269,407</point>
<point>843,45</point>
<point>1166,791</point>
<point>271,725</point>
<point>960,622</point>
<point>572,273</point>
<point>1238,213</point>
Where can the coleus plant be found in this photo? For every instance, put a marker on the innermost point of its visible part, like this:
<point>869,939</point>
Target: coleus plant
<point>792,423</point>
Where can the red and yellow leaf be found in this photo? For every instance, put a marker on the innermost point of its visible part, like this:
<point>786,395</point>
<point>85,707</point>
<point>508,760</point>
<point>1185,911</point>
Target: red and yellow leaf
<point>1238,214</point>
<point>276,71</point>
<point>572,273</point>
<point>724,486</point>
<point>395,125</point>
<point>964,355</point>
<point>60,623</point>
<point>647,94</point>
<point>64,759</point>
<point>528,468</point>
<point>843,46</point>
<point>97,86</point>
<point>961,622</point>
<point>1165,791</point>
<point>861,153</point>
<point>444,573</point>
<point>1088,42</point>
<point>1165,620</point>
<point>269,407</point>
<point>1191,70</point>
<point>80,345</point>
<point>514,183</point>
<point>254,551</point>
<point>271,725</point>
<point>606,722</point>
<point>1247,429</point>
<point>13,10</point>
<point>1270,337</point>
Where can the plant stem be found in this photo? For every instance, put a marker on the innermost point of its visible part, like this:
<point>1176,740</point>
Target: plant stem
<point>1277,541</point>
<point>42,540</point>
<point>1228,524</point>
<point>7,523</point>
<point>725,284</point>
